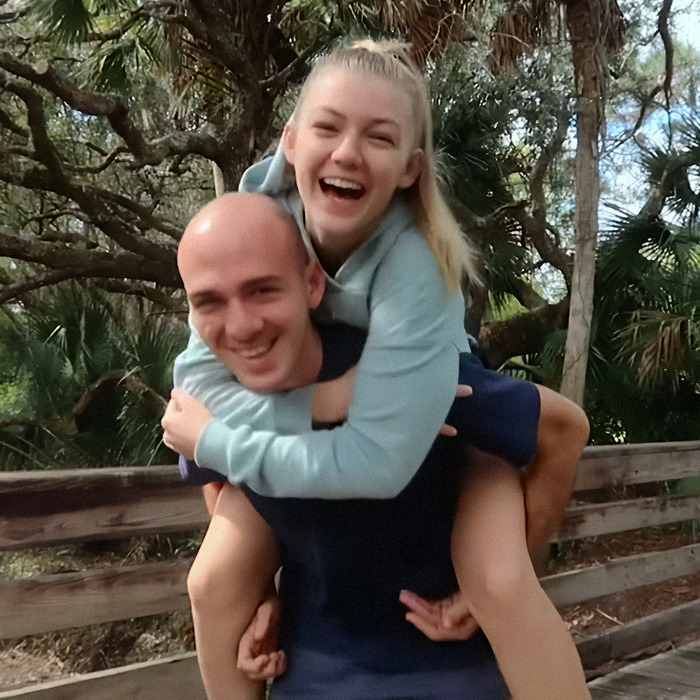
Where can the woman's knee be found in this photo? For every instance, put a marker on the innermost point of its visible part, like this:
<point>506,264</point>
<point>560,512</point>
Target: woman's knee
<point>499,586</point>
<point>206,584</point>
<point>564,421</point>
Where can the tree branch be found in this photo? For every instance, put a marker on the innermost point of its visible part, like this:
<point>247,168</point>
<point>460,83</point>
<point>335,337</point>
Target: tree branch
<point>664,187</point>
<point>8,123</point>
<point>36,120</point>
<point>522,334</point>
<point>13,291</point>
<point>537,232</point>
<point>94,202</point>
<point>164,298</point>
<point>542,164</point>
<point>82,264</point>
<point>116,113</point>
<point>110,381</point>
<point>662,24</point>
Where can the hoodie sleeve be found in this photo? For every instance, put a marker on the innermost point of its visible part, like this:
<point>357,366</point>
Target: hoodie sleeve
<point>405,384</point>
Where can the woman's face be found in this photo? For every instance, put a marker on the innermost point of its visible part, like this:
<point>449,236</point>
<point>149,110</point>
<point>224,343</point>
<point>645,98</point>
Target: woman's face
<point>352,144</point>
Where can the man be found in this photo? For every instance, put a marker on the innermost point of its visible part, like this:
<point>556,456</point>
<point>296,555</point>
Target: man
<point>251,288</point>
<point>250,296</point>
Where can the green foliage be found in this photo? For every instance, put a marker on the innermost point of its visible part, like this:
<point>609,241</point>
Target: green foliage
<point>95,376</point>
<point>643,380</point>
<point>68,20</point>
<point>190,103</point>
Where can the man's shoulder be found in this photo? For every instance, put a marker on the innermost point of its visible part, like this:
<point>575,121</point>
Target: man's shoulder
<point>342,347</point>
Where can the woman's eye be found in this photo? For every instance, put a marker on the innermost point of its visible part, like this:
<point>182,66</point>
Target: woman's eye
<point>383,138</point>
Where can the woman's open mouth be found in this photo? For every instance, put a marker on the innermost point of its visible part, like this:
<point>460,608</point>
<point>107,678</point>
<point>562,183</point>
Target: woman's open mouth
<point>343,189</point>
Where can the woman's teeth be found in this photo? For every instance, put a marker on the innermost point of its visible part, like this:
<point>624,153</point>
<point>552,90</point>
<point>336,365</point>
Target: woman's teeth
<point>342,184</point>
<point>342,188</point>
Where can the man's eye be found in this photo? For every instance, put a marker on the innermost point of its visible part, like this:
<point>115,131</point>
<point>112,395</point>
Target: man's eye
<point>264,292</point>
<point>206,306</point>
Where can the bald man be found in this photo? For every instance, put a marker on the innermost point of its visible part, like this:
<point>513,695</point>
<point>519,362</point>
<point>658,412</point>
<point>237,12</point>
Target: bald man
<point>251,288</point>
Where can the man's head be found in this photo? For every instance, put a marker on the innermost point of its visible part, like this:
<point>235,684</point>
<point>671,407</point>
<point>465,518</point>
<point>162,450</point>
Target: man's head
<point>250,286</point>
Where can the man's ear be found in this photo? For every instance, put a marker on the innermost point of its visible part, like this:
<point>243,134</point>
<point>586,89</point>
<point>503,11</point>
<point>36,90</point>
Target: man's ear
<point>289,139</point>
<point>413,168</point>
<point>316,283</point>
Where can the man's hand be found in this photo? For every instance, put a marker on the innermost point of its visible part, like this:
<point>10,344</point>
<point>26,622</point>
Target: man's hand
<point>442,620</point>
<point>462,391</point>
<point>183,421</point>
<point>258,656</point>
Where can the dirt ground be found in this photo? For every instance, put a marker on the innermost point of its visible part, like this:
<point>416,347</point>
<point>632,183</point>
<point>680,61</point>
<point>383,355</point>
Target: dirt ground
<point>28,662</point>
<point>598,614</point>
<point>19,667</point>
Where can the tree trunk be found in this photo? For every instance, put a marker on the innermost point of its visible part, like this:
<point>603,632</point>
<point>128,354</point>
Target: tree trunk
<point>583,19</point>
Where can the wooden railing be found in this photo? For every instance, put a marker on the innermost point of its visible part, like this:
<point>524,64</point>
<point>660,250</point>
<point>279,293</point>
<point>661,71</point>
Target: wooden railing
<point>52,507</point>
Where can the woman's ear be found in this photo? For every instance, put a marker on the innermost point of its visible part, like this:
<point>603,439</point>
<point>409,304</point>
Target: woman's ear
<point>289,138</point>
<point>413,168</point>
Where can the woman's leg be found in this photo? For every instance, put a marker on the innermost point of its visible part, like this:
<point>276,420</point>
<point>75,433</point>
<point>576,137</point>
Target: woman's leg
<point>562,432</point>
<point>228,580</point>
<point>534,650</point>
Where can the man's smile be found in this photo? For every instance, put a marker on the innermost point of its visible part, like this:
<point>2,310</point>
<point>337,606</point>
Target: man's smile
<point>253,353</point>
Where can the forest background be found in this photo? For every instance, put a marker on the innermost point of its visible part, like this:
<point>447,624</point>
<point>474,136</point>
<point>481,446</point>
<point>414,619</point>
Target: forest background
<point>568,136</point>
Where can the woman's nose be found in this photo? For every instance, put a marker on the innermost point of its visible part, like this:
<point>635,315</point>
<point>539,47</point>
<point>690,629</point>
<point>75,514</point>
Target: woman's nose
<point>347,150</point>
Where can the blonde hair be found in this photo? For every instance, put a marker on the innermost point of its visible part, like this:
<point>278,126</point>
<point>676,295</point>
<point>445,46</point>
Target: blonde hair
<point>393,60</point>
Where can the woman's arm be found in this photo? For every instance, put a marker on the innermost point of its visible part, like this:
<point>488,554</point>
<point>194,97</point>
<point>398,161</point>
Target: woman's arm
<point>405,383</point>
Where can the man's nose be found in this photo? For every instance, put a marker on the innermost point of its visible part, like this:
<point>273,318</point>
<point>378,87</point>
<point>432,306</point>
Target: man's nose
<point>242,322</point>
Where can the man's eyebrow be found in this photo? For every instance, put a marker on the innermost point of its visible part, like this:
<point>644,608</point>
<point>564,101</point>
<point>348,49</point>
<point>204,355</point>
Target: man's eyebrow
<point>201,295</point>
<point>252,283</point>
<point>264,279</point>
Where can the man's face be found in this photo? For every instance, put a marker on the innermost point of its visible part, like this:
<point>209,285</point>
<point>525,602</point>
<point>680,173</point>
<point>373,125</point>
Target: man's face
<point>250,293</point>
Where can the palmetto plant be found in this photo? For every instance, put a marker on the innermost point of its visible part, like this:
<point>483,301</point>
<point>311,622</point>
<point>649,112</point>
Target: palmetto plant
<point>643,379</point>
<point>648,298</point>
<point>95,380</point>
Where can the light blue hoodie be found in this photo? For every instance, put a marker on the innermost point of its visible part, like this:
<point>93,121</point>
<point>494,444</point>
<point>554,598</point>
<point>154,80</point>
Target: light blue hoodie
<point>405,383</point>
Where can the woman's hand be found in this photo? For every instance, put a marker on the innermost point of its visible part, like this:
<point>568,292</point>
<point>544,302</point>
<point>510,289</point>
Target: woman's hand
<point>442,620</point>
<point>183,421</point>
<point>463,390</point>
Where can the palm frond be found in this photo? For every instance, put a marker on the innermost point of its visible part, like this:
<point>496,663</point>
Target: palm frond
<point>656,344</point>
<point>68,21</point>
<point>515,33</point>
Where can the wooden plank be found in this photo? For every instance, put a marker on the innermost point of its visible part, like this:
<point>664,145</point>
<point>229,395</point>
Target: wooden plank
<point>591,520</point>
<point>639,634</point>
<point>674,675</point>
<point>47,603</point>
<point>620,465</point>
<point>621,574</point>
<point>89,504</point>
<point>54,506</point>
<point>173,678</point>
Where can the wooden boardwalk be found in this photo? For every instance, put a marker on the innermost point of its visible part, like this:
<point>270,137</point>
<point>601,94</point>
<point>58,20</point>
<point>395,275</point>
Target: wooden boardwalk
<point>674,675</point>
